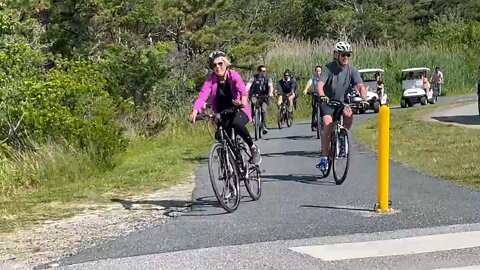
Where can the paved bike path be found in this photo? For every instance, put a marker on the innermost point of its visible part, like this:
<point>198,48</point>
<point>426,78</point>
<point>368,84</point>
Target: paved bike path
<point>464,116</point>
<point>296,204</point>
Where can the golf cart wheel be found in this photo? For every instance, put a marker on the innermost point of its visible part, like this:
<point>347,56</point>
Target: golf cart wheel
<point>376,106</point>
<point>423,101</point>
<point>403,104</point>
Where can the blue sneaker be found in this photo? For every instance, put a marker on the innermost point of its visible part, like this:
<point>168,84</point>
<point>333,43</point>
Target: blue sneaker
<point>323,165</point>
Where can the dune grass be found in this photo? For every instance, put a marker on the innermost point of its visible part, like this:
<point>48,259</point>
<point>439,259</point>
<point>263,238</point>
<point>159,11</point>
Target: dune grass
<point>301,57</point>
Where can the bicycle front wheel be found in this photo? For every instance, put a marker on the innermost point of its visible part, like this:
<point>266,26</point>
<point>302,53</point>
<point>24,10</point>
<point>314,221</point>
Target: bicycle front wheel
<point>224,177</point>
<point>289,118</point>
<point>341,156</point>
<point>256,124</point>
<point>280,118</point>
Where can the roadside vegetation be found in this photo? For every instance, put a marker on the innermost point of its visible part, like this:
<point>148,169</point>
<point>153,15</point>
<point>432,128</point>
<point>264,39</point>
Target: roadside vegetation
<point>94,94</point>
<point>447,151</point>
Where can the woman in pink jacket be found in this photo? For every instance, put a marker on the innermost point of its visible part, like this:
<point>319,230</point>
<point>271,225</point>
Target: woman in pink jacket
<point>226,89</point>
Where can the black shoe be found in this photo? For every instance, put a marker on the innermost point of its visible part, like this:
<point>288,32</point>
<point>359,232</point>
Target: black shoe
<point>264,131</point>
<point>314,129</point>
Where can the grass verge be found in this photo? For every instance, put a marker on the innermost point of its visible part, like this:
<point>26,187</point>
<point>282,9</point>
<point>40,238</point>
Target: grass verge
<point>72,184</point>
<point>441,150</point>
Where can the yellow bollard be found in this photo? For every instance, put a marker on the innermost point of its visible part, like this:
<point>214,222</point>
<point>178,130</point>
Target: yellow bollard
<point>383,158</point>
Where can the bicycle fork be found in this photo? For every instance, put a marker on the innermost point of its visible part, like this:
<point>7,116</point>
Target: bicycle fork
<point>340,140</point>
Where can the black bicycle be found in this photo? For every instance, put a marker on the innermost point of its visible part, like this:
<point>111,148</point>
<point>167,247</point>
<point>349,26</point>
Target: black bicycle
<point>258,121</point>
<point>317,118</point>
<point>339,156</point>
<point>284,116</point>
<point>228,165</point>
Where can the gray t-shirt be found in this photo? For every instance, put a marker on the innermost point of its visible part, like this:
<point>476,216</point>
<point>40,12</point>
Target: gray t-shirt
<point>338,82</point>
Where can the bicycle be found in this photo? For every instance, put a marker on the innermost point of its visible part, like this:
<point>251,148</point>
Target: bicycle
<point>317,117</point>
<point>437,87</point>
<point>284,116</point>
<point>258,121</point>
<point>233,157</point>
<point>339,145</point>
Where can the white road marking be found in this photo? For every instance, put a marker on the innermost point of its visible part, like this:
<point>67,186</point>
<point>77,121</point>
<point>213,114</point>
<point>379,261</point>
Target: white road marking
<point>473,267</point>
<point>392,247</point>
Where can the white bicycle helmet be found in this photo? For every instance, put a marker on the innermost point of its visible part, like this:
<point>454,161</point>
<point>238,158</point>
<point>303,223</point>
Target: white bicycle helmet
<point>343,46</point>
<point>215,54</point>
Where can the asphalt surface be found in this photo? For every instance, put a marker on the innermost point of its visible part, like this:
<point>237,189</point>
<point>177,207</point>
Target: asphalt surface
<point>465,115</point>
<point>297,207</point>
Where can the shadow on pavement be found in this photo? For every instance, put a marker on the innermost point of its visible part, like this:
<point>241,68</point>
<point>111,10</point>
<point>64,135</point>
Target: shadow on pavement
<point>292,138</point>
<point>294,153</point>
<point>460,119</point>
<point>339,208</point>
<point>174,207</point>
<point>305,179</point>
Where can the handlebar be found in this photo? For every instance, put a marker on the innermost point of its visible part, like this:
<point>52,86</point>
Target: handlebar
<point>216,116</point>
<point>259,96</point>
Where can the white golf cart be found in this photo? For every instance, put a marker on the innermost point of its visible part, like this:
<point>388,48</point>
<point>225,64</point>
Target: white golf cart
<point>370,81</point>
<point>412,88</point>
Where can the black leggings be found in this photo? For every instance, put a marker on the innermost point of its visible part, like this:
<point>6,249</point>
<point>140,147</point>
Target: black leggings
<point>238,121</point>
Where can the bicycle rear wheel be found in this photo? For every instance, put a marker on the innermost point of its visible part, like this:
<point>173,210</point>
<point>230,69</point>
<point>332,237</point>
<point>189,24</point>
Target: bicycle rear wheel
<point>224,177</point>
<point>341,156</point>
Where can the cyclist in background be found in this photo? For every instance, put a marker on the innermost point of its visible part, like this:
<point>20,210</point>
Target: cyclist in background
<point>437,79</point>
<point>287,86</point>
<point>335,82</point>
<point>261,84</point>
<point>312,82</point>
<point>227,90</point>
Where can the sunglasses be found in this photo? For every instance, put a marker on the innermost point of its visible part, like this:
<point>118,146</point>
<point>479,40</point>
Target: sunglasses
<point>220,64</point>
<point>263,71</point>
<point>345,54</point>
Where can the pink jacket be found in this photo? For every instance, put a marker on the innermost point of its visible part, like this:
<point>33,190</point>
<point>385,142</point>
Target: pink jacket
<point>209,89</point>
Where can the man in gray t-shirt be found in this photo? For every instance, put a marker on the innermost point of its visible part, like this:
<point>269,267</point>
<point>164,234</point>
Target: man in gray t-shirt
<point>337,79</point>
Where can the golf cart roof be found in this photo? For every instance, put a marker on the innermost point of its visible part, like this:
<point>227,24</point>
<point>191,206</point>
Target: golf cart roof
<point>370,70</point>
<point>415,69</point>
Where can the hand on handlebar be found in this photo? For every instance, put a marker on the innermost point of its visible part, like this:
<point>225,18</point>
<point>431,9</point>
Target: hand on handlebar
<point>193,116</point>
<point>237,103</point>
<point>324,99</point>
<point>364,104</point>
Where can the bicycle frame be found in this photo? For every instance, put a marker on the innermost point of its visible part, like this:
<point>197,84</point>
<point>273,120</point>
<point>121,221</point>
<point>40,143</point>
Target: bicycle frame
<point>234,147</point>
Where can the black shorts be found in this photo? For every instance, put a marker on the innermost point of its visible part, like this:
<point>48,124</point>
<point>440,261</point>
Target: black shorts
<point>327,110</point>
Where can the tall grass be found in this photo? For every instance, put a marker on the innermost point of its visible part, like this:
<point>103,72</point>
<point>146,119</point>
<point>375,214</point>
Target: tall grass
<point>301,57</point>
